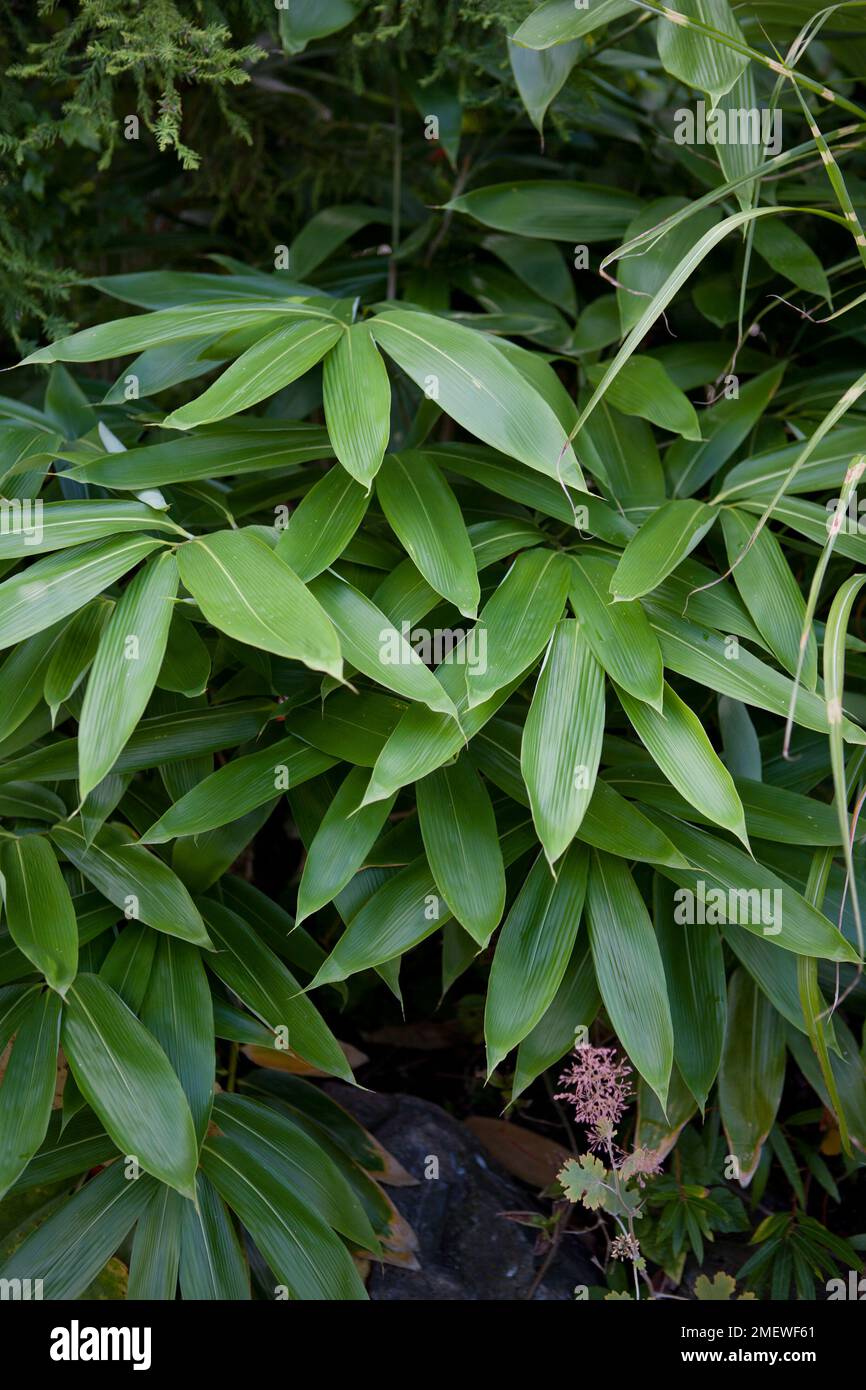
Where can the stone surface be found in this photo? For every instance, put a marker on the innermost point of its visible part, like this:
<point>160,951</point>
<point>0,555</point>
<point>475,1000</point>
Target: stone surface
<point>468,1250</point>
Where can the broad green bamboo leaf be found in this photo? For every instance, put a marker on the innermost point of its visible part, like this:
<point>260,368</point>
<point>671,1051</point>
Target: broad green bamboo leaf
<point>558,21</point>
<point>164,289</point>
<point>212,1264</point>
<point>752,1073</point>
<point>159,368</point>
<point>62,524</point>
<point>663,296</point>
<point>695,589</point>
<point>156,741</point>
<point>506,478</point>
<point>772,813</point>
<point>247,591</point>
<point>740,157</point>
<point>305,21</point>
<point>695,971</point>
<point>125,1076</point>
<point>553,209</point>
<point>847,1068</point>
<point>619,634</point>
<point>323,523</point>
<point>344,838</point>
<point>357,400</point>
<point>696,59</point>
<point>405,596</point>
<point>644,388</point>
<point>733,887</point>
<point>532,951</point>
<point>155,1255</point>
<point>68,1250</point>
<point>774,973</point>
<point>252,971</point>
<point>725,423</point>
<point>178,1011</point>
<point>22,676</point>
<point>676,739</point>
<point>540,76</point>
<point>52,588</point>
<point>539,264</point>
<point>200,862</point>
<point>238,787</point>
<point>517,621</point>
<point>666,538</point>
<point>128,964</point>
<point>834,678</point>
<point>786,251</point>
<point>67,1149</point>
<point>722,665</point>
<point>125,667</point>
<point>405,910</point>
<point>31,801</point>
<point>562,737</point>
<point>186,665</point>
<point>642,274</point>
<point>540,374</point>
<point>770,592</point>
<point>476,385</point>
<point>629,970</point>
<point>810,519</point>
<point>272,923</point>
<point>14,1003</point>
<point>73,653</point>
<point>123,336</point>
<point>611,823</point>
<point>329,228</point>
<point>306,1101</point>
<point>27,1089</point>
<point>622,452</point>
<point>280,1143</point>
<point>301,1250</point>
<point>817,465</point>
<point>354,727</point>
<point>132,878</point>
<point>423,512</point>
<point>370,643</point>
<point>571,1011</point>
<point>423,740</point>
<point>742,748</point>
<point>39,911</point>
<point>440,97</point>
<point>248,444</point>
<point>461,842</point>
<point>270,364</point>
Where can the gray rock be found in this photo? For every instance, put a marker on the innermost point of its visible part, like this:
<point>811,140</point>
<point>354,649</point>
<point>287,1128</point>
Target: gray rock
<point>468,1249</point>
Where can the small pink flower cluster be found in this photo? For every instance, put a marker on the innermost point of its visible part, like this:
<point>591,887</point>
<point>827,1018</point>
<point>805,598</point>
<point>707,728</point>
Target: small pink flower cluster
<point>596,1085</point>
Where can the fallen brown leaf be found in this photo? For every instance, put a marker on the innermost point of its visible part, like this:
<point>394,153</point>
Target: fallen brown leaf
<point>282,1059</point>
<point>522,1152</point>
